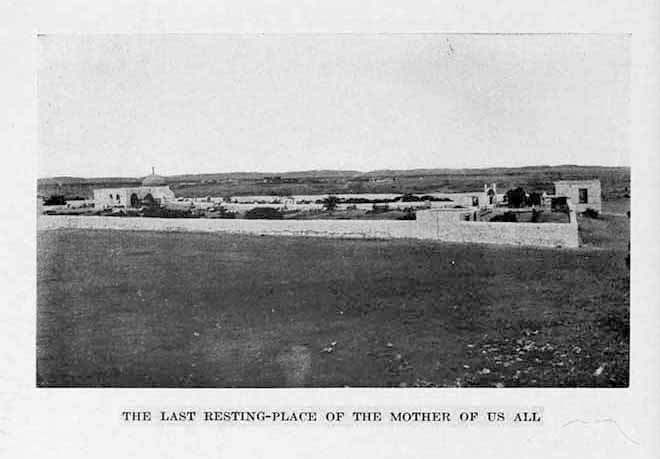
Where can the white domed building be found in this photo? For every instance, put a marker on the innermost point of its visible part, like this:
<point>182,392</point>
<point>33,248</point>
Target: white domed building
<point>153,191</point>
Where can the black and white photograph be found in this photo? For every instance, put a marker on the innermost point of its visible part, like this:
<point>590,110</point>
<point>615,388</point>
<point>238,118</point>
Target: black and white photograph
<point>333,210</point>
<point>247,229</point>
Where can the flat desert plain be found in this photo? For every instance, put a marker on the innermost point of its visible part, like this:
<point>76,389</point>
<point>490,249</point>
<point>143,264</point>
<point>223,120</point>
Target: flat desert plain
<point>154,309</point>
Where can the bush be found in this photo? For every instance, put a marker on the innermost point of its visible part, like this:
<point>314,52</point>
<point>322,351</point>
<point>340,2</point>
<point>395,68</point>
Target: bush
<point>162,212</point>
<point>590,213</point>
<point>505,217</point>
<point>379,208</point>
<point>534,199</point>
<point>409,215</point>
<point>264,213</point>
<point>330,202</point>
<point>55,200</point>
<point>408,197</point>
<point>428,197</point>
<point>516,198</point>
<point>218,212</point>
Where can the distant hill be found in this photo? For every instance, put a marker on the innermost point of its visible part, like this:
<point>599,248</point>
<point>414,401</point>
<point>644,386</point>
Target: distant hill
<point>66,180</point>
<point>491,170</point>
<point>326,173</point>
<point>615,181</point>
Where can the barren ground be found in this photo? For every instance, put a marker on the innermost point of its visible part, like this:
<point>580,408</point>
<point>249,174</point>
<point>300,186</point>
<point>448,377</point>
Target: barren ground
<point>141,309</point>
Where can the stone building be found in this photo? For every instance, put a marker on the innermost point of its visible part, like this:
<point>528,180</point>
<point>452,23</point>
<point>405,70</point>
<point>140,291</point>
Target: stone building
<point>153,191</point>
<point>583,194</point>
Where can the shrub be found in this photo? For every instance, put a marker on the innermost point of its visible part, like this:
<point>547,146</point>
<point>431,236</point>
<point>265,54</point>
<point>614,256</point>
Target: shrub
<point>55,200</point>
<point>516,197</point>
<point>379,208</point>
<point>330,203</point>
<point>408,197</point>
<point>163,212</point>
<point>534,199</point>
<point>428,197</point>
<point>409,215</point>
<point>505,217</point>
<point>264,213</point>
<point>590,213</point>
<point>219,212</point>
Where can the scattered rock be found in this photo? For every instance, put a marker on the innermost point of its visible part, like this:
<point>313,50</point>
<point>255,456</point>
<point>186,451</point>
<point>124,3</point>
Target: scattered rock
<point>330,348</point>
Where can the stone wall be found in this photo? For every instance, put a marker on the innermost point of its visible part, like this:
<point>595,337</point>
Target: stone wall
<point>354,229</point>
<point>432,225</point>
<point>450,226</point>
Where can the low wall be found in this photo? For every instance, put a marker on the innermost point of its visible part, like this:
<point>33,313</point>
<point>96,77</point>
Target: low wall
<point>354,229</point>
<point>432,225</point>
<point>399,205</point>
<point>448,226</point>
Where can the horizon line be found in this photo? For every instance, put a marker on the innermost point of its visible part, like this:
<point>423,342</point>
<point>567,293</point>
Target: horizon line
<point>336,170</point>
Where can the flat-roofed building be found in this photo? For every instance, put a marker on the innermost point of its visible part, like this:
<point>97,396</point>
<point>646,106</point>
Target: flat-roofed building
<point>584,194</point>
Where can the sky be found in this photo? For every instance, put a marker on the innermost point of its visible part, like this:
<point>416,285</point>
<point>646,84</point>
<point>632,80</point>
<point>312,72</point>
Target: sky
<point>116,105</point>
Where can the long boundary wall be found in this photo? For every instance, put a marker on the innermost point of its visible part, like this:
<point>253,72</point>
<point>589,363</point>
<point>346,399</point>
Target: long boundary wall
<point>355,229</point>
<point>431,225</point>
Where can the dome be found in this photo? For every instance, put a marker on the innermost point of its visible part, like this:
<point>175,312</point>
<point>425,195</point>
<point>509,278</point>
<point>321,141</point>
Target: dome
<point>154,180</point>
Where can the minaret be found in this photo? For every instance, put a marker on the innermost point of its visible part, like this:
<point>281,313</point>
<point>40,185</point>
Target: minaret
<point>153,170</point>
